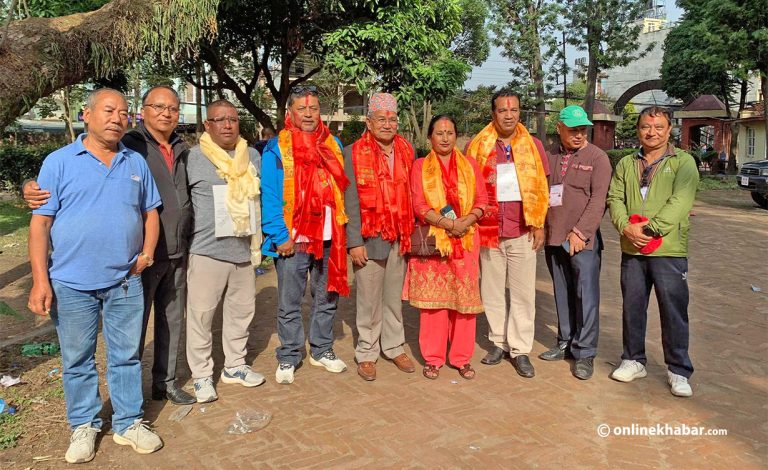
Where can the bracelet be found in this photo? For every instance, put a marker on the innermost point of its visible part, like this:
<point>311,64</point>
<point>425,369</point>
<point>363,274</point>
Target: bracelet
<point>438,221</point>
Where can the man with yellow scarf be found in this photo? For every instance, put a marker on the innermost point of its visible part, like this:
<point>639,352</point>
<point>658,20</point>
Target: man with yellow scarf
<point>515,168</point>
<point>225,247</point>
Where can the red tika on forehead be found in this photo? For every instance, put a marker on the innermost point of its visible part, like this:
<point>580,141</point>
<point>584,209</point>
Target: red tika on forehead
<point>509,103</point>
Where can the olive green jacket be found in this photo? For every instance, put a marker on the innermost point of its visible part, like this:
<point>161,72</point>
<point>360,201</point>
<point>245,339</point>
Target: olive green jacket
<point>670,197</point>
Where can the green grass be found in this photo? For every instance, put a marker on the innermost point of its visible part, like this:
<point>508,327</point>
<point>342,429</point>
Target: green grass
<point>14,216</point>
<point>14,226</point>
<point>12,426</point>
<point>708,183</point>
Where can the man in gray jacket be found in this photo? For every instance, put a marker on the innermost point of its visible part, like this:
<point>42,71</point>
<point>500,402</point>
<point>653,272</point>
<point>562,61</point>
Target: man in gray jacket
<point>379,208</point>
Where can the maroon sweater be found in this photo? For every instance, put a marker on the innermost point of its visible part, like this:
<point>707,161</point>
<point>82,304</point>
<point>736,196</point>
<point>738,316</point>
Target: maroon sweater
<point>585,186</point>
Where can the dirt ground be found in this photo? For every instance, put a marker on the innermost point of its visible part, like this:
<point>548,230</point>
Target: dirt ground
<point>498,420</point>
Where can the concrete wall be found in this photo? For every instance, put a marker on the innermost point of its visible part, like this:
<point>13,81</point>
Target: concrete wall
<point>620,79</point>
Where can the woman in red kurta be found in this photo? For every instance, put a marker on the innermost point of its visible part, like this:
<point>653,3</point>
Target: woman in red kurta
<point>449,195</point>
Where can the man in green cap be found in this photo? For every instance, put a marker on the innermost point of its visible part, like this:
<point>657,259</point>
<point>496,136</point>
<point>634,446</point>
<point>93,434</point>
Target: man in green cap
<point>578,181</point>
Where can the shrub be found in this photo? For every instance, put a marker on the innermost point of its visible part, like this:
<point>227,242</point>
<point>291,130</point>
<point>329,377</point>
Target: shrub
<point>352,131</point>
<point>21,161</point>
<point>617,154</point>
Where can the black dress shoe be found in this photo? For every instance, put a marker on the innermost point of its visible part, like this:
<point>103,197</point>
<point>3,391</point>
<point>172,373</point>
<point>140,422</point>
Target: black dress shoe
<point>175,395</point>
<point>558,353</point>
<point>494,356</point>
<point>583,368</point>
<point>523,366</point>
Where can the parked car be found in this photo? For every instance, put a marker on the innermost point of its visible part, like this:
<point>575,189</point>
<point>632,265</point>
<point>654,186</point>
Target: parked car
<point>753,177</point>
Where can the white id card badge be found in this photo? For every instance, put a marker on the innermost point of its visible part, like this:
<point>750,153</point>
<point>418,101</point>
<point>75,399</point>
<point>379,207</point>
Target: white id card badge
<point>507,186</point>
<point>556,195</point>
<point>222,219</point>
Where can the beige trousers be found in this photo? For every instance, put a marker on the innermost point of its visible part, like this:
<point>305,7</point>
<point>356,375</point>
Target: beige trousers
<point>512,265</point>
<point>379,287</point>
<point>207,279</point>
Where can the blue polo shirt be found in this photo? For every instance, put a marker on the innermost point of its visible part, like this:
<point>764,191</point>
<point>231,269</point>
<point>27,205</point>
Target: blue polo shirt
<point>98,228</point>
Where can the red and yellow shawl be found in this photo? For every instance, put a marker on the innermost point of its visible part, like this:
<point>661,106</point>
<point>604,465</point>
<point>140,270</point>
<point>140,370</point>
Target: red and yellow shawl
<point>314,178</point>
<point>385,197</point>
<point>530,174</point>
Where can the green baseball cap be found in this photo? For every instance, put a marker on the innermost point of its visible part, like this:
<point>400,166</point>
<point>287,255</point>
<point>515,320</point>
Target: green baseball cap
<point>574,116</point>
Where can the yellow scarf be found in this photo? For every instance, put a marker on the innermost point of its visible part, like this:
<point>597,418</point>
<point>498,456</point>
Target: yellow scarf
<point>434,193</point>
<point>242,185</point>
<point>530,173</point>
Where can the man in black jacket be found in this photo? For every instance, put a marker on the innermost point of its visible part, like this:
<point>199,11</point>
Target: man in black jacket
<point>164,281</point>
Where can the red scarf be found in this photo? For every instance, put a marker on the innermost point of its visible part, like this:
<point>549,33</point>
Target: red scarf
<point>385,196</point>
<point>318,181</point>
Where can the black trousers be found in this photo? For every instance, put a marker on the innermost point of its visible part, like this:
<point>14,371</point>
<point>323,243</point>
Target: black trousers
<point>576,281</point>
<point>669,278</point>
<point>165,287</point>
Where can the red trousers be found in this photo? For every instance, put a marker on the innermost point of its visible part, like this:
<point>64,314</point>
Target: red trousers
<point>439,327</point>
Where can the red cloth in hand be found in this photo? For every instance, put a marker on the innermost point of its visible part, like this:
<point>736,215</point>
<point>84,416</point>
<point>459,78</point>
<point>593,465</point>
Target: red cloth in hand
<point>656,240</point>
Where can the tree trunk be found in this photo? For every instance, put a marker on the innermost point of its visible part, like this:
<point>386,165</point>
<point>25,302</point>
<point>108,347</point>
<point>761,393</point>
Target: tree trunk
<point>42,55</point>
<point>538,78</point>
<point>592,68</point>
<point>731,167</point>
<point>68,114</point>
<point>199,128</point>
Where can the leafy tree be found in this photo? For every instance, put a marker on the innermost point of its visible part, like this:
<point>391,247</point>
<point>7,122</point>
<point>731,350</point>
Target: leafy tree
<point>608,31</point>
<point>627,128</point>
<point>577,92</point>
<point>422,51</point>
<point>469,108</point>
<point>41,55</point>
<point>525,30</point>
<point>387,43</point>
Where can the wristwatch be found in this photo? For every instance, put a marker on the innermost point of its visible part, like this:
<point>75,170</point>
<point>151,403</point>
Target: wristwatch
<point>148,258</point>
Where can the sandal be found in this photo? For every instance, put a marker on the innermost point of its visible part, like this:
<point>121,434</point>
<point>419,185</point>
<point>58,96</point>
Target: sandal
<point>431,372</point>
<point>467,372</point>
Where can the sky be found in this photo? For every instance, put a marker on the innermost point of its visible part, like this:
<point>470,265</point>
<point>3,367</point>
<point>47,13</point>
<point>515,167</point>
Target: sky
<point>495,70</point>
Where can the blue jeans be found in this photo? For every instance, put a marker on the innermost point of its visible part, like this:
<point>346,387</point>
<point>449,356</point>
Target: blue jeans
<point>76,316</point>
<point>291,284</point>
<point>669,278</point>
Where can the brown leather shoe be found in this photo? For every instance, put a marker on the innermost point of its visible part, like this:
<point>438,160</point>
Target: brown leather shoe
<point>404,363</point>
<point>367,370</point>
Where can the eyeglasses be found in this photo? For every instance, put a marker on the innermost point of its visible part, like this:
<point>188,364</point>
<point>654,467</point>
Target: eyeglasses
<point>222,120</point>
<point>161,108</point>
<point>304,90</point>
<point>381,121</point>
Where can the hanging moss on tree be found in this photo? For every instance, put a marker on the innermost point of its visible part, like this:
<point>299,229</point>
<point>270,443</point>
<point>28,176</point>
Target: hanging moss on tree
<point>41,55</point>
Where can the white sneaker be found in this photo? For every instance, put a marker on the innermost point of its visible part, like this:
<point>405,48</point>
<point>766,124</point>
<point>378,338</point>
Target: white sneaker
<point>284,373</point>
<point>204,391</point>
<point>242,375</point>
<point>82,444</point>
<point>329,361</point>
<point>628,371</point>
<point>679,385</point>
<point>138,435</point>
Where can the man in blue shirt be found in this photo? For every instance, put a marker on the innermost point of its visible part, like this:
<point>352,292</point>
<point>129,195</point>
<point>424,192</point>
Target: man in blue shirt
<point>101,220</point>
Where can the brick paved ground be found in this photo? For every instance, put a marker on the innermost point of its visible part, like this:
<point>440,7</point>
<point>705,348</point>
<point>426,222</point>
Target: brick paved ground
<point>500,420</point>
